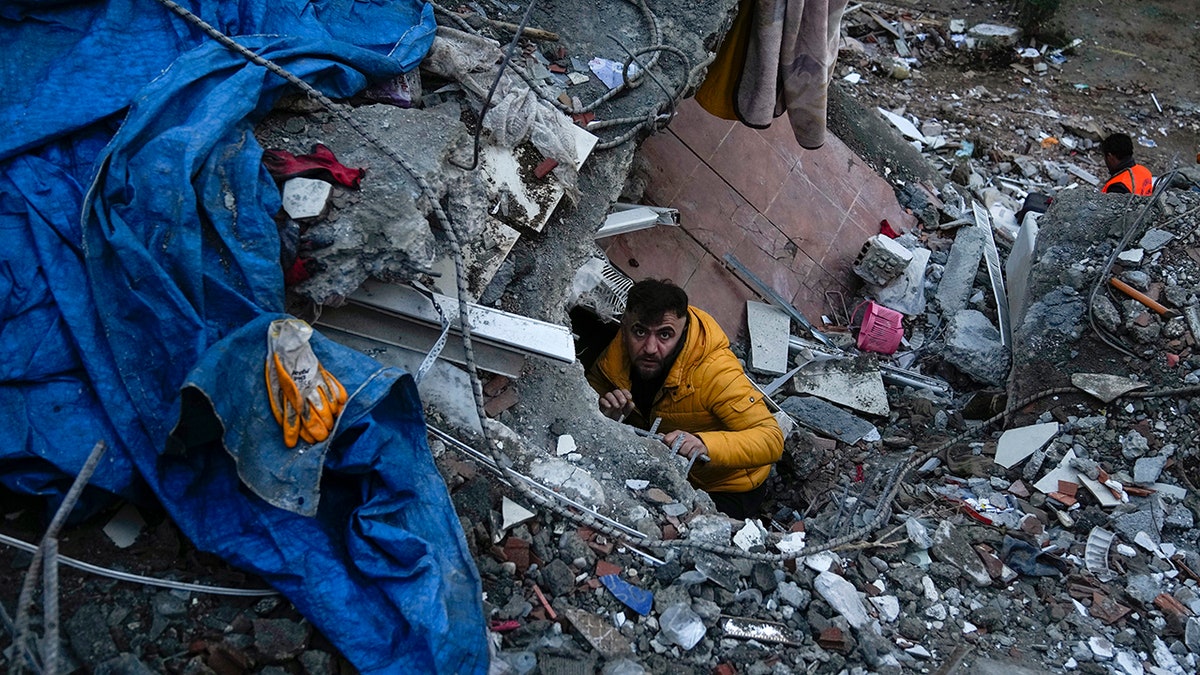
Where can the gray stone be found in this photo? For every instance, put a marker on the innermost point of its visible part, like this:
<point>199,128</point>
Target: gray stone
<point>1155,239</point>
<point>1129,524</point>
<point>1146,470</point>
<point>706,610</point>
<point>565,663</point>
<point>843,598</point>
<point>279,639</point>
<point>719,570</point>
<point>827,419</point>
<point>953,548</point>
<point>1106,313</point>
<point>1136,278</point>
<point>558,577</point>
<point>123,664</point>
<point>793,595</point>
<point>763,576</point>
<point>87,633</point>
<point>962,265</point>
<point>973,346</point>
<point>316,662</point>
<point>1180,518</point>
<point>569,478</point>
<point>1191,635</point>
<point>1143,588</point>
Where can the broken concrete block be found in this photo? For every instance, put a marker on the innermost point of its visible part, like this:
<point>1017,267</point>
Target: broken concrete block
<point>827,419</point>
<point>958,278</point>
<point>1146,470</point>
<point>881,260</point>
<point>846,383</point>
<point>769,329</point>
<point>994,36</point>
<point>973,346</point>
<point>572,480</point>
<point>305,197</point>
<point>1155,239</point>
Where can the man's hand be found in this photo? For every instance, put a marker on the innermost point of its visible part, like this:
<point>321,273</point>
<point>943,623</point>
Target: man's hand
<point>616,404</point>
<point>691,447</point>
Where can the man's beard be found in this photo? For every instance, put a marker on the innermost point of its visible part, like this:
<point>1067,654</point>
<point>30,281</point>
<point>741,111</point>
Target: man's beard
<point>660,373</point>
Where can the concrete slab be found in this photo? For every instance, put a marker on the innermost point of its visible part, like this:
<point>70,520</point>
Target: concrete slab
<point>769,328</point>
<point>827,419</point>
<point>846,383</point>
<point>958,278</point>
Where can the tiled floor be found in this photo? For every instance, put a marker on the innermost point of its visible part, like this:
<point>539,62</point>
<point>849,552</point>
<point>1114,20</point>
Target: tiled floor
<point>796,218</point>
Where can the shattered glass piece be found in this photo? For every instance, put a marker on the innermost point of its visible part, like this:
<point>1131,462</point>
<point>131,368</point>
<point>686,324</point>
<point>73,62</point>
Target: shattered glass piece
<point>638,599</point>
<point>718,570</point>
<point>681,626</point>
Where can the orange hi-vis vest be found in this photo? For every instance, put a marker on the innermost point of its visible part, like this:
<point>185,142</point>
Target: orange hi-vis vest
<point>1136,178</point>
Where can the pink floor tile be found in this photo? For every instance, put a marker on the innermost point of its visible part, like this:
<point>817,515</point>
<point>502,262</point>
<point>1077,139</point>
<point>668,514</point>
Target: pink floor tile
<point>713,212</point>
<point>671,166</point>
<point>805,214</point>
<point>699,130</point>
<point>716,290</point>
<point>836,170</point>
<point>660,252</point>
<point>751,166</point>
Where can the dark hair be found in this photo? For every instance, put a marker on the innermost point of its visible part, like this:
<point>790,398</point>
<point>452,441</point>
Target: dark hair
<point>1120,145</point>
<point>650,299</point>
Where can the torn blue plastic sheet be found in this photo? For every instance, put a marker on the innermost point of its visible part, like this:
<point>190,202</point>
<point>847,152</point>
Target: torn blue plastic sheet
<point>143,323</point>
<point>638,599</point>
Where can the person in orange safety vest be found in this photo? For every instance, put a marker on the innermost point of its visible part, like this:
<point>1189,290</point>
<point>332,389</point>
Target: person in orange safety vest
<point>1125,175</point>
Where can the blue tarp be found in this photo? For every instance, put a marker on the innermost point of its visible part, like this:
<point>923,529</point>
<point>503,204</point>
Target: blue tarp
<point>139,269</point>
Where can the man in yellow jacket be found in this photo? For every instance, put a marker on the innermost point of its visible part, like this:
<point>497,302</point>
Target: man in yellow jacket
<point>672,361</point>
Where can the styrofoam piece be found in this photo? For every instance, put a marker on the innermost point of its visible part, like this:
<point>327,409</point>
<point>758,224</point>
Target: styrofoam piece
<point>1095,554</point>
<point>1017,444</point>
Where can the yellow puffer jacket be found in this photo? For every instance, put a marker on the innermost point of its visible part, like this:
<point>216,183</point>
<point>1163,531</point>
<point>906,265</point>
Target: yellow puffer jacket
<point>706,394</point>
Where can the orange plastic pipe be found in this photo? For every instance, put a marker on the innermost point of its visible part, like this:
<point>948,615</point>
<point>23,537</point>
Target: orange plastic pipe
<point>1138,295</point>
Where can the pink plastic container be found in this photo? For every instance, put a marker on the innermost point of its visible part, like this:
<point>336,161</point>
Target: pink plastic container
<point>881,329</point>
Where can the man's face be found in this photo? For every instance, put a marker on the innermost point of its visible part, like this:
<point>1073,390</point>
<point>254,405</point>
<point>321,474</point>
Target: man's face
<point>651,346</point>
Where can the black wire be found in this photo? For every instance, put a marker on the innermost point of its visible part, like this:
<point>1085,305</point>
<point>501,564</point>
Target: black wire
<point>512,46</point>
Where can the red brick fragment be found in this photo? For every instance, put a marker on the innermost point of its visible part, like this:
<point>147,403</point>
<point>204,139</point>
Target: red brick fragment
<point>546,166</point>
<point>605,568</point>
<point>498,404</point>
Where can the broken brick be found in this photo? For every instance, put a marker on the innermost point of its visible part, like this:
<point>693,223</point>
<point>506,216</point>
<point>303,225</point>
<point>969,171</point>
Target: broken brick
<point>1175,613</point>
<point>604,568</point>
<point>545,167</point>
<point>584,119</point>
<point>1066,500</point>
<point>516,551</point>
<point>1106,609</point>
<point>724,669</point>
<point>498,404</point>
<point>833,639</point>
<point>496,385</point>
<point>1068,488</point>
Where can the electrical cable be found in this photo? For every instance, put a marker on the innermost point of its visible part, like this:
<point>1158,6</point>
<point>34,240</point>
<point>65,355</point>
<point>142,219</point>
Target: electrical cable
<point>139,579</point>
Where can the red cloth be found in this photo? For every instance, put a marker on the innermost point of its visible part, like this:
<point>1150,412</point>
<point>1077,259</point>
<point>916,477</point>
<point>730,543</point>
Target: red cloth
<point>320,164</point>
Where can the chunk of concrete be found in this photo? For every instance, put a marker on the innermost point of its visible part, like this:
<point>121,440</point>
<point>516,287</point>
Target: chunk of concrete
<point>572,480</point>
<point>827,419</point>
<point>958,278</point>
<point>846,383</point>
<point>906,293</point>
<point>769,328</point>
<point>973,346</point>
